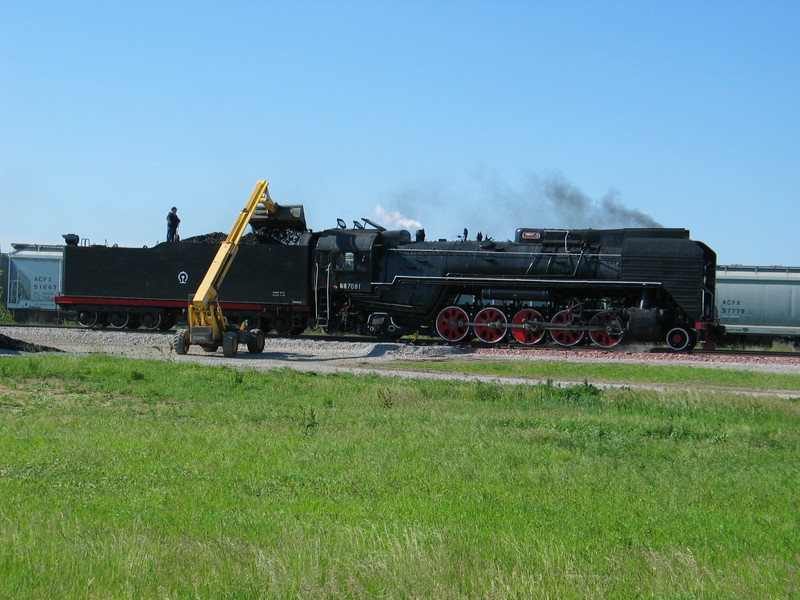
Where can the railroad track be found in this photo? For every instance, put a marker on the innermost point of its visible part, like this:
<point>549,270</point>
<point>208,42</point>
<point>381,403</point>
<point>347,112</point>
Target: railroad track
<point>467,345</point>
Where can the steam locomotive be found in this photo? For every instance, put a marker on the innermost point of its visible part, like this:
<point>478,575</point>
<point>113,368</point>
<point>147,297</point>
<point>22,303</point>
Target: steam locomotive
<point>566,286</point>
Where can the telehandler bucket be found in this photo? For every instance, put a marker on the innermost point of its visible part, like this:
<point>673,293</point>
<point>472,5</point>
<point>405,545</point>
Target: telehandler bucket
<point>291,216</point>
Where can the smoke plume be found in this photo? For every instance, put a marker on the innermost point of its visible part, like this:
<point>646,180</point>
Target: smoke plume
<point>555,203</point>
<point>575,209</point>
<point>494,208</point>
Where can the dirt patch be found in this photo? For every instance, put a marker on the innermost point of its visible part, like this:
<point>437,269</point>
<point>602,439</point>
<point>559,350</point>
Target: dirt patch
<point>7,343</point>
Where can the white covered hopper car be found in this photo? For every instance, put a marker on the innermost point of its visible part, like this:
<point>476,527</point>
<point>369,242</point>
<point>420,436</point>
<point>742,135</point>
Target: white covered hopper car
<point>34,278</point>
<point>759,303</point>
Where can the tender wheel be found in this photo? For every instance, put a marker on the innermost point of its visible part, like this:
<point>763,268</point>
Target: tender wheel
<point>167,323</point>
<point>282,325</point>
<point>679,339</point>
<point>526,331</point>
<point>151,320</point>
<point>490,325</point>
<point>180,343</point>
<point>452,324</point>
<point>133,322</point>
<point>118,319</point>
<point>565,337</point>
<point>609,322</point>
<point>87,318</point>
<point>255,344</point>
<point>230,344</point>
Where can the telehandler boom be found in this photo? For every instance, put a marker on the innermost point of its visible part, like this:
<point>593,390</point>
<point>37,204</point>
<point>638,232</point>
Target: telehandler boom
<point>207,325</point>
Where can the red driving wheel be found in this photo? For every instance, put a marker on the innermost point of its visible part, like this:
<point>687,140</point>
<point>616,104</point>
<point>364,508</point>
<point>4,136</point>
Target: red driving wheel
<point>490,325</point>
<point>608,321</point>
<point>525,331</point>
<point>452,324</point>
<point>565,337</point>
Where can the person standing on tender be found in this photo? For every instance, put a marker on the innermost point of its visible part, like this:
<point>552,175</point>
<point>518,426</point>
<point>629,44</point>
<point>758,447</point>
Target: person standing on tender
<point>172,225</point>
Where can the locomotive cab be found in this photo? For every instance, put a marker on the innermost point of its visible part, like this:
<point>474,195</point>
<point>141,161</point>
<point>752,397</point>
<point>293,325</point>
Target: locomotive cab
<point>345,265</point>
<point>343,260</point>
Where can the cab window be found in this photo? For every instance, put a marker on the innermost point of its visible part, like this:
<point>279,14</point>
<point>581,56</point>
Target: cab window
<point>346,261</point>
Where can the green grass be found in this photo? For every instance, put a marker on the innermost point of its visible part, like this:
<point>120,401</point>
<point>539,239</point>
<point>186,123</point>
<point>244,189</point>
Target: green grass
<point>139,479</point>
<point>611,371</point>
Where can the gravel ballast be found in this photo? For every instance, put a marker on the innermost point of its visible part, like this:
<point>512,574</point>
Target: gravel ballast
<point>323,355</point>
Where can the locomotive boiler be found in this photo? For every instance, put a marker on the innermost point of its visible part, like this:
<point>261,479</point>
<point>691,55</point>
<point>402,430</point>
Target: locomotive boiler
<point>565,285</point>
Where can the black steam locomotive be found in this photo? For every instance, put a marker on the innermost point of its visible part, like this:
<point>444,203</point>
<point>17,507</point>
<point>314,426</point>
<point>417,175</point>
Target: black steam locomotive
<point>568,286</point>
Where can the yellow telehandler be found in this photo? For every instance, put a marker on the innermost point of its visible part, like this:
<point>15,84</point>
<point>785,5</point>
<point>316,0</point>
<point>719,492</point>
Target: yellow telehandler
<point>207,325</point>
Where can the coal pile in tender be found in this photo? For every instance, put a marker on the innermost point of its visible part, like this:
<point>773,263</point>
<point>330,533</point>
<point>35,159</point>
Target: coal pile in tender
<point>216,237</point>
<point>265,235</point>
<point>7,343</point>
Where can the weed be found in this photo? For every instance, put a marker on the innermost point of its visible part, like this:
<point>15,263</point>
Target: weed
<point>5,314</point>
<point>235,377</point>
<point>583,394</point>
<point>487,392</point>
<point>385,398</point>
<point>309,419</point>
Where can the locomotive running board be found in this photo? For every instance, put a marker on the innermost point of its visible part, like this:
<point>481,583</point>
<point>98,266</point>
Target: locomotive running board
<point>532,283</point>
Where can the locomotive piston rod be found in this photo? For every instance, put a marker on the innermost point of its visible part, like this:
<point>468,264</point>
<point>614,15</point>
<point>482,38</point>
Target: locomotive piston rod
<point>539,325</point>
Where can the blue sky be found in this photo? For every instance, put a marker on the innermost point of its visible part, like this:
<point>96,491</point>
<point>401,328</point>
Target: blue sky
<point>480,115</point>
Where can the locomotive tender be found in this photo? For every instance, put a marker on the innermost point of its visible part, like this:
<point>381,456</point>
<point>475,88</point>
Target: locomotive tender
<point>151,287</point>
<point>567,286</point>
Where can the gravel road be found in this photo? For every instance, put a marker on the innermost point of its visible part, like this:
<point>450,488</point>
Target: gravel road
<point>278,351</point>
<point>357,357</point>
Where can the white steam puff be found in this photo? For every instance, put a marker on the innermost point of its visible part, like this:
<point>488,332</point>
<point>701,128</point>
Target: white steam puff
<point>395,219</point>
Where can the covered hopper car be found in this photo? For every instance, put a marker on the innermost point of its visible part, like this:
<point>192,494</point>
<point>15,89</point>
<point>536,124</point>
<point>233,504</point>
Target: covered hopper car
<point>759,304</point>
<point>33,278</point>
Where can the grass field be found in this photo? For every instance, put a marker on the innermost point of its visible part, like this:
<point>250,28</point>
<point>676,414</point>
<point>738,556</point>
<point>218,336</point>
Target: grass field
<point>140,479</point>
<point>615,372</point>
